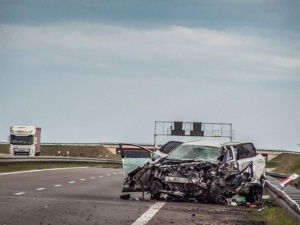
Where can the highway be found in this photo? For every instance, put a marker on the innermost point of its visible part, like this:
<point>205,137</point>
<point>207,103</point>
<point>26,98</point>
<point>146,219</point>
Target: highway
<point>91,196</point>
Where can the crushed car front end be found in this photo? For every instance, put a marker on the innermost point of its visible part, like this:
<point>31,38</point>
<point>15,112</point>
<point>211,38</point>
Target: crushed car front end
<point>205,171</point>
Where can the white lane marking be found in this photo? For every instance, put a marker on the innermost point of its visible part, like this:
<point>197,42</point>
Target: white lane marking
<point>71,182</point>
<point>115,173</point>
<point>146,217</point>
<point>57,185</point>
<point>108,174</point>
<point>33,171</point>
<point>39,189</point>
<point>82,179</point>
<point>100,176</point>
<point>20,193</point>
<point>92,177</point>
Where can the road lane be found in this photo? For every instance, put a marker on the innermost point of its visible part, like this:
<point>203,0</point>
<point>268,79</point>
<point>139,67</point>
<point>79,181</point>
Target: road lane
<point>90,201</point>
<point>185,213</point>
<point>91,196</point>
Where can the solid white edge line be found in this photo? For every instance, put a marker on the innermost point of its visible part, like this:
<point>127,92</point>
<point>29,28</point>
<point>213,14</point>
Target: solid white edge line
<point>146,217</point>
<point>32,171</point>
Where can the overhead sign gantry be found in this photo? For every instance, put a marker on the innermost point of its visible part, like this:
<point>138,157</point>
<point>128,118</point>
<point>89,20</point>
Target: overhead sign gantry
<point>200,129</point>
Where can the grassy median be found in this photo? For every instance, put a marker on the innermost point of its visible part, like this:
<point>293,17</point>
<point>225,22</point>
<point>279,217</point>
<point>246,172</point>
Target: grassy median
<point>52,150</point>
<point>74,151</point>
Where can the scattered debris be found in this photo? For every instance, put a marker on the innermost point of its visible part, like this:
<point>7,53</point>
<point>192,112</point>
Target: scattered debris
<point>125,196</point>
<point>137,199</point>
<point>265,197</point>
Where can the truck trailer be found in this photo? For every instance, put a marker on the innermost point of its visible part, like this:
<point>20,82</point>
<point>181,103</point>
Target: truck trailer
<point>25,140</point>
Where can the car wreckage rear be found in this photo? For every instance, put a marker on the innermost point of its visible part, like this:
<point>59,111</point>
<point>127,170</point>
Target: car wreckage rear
<point>205,171</point>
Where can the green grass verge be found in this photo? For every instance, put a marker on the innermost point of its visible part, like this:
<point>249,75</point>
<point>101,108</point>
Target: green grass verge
<point>33,166</point>
<point>275,216</point>
<point>74,151</point>
<point>285,163</point>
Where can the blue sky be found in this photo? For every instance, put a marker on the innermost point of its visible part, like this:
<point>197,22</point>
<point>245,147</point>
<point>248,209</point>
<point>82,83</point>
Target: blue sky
<point>105,71</point>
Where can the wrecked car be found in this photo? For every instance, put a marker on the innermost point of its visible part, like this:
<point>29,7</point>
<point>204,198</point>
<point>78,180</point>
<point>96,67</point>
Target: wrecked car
<point>205,171</point>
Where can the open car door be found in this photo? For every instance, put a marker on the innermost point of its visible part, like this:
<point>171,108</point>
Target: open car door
<point>134,157</point>
<point>137,161</point>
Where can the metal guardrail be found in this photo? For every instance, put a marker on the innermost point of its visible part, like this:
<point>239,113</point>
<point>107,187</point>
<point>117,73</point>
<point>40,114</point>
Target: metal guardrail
<point>84,144</point>
<point>277,151</point>
<point>287,197</point>
<point>7,159</point>
<point>145,144</point>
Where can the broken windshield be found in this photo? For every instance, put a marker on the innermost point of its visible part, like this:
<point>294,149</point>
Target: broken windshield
<point>195,152</point>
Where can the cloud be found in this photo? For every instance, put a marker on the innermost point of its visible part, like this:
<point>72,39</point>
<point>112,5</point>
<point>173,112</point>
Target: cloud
<point>129,77</point>
<point>98,49</point>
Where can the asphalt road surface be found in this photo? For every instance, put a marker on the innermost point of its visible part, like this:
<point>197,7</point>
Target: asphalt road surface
<point>91,196</point>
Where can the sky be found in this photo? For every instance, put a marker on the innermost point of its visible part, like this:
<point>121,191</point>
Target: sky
<point>104,71</point>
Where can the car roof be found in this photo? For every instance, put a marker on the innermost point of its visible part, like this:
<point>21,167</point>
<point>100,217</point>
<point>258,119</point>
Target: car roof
<point>204,143</point>
<point>232,143</point>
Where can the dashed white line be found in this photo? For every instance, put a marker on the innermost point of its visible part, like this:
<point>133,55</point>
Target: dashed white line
<point>108,174</point>
<point>82,179</point>
<point>92,177</point>
<point>40,189</point>
<point>43,170</point>
<point>144,219</point>
<point>115,173</point>
<point>100,176</point>
<point>57,185</point>
<point>71,182</point>
<point>20,193</point>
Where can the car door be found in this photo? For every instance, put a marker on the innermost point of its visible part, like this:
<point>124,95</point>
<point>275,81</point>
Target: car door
<point>133,158</point>
<point>246,153</point>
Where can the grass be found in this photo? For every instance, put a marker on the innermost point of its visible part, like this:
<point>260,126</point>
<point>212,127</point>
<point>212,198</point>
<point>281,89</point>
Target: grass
<point>275,216</point>
<point>285,163</point>
<point>74,151</point>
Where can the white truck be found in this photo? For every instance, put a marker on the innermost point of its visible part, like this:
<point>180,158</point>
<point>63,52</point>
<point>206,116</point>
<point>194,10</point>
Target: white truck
<point>25,140</point>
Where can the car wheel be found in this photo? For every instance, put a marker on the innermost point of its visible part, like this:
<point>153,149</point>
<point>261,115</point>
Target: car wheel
<point>154,189</point>
<point>214,193</point>
<point>255,194</point>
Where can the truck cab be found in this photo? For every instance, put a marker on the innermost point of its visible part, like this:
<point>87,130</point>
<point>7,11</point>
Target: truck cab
<point>25,140</point>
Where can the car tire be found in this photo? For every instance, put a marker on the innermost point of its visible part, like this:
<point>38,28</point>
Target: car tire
<point>255,194</point>
<point>154,189</point>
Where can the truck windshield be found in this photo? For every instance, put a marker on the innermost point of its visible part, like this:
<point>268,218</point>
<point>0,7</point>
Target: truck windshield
<point>21,140</point>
